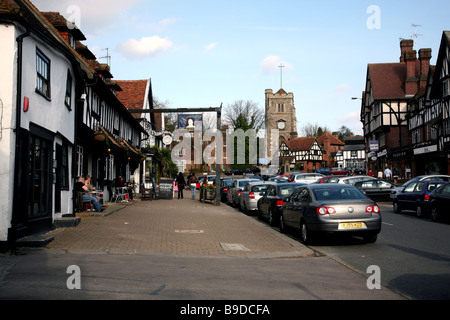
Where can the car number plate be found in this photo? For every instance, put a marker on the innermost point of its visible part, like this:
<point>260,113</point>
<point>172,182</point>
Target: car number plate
<point>352,225</point>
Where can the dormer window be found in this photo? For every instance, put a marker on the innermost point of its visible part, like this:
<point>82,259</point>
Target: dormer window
<point>71,40</point>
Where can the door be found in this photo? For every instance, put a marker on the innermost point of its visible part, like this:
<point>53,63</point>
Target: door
<point>33,189</point>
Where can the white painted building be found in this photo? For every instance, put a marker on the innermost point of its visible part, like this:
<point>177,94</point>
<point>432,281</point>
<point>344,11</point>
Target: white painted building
<point>38,90</point>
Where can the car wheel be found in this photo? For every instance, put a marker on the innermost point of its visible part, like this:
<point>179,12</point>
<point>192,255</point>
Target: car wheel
<point>305,233</point>
<point>434,214</point>
<point>419,211</point>
<point>282,225</point>
<point>244,209</point>
<point>271,217</point>
<point>397,208</point>
<point>370,237</point>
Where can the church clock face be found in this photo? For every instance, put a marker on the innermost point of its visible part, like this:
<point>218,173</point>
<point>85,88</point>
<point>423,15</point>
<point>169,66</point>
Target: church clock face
<point>281,125</point>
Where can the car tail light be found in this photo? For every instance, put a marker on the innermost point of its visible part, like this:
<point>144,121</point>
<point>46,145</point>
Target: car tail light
<point>325,210</point>
<point>280,202</point>
<point>426,197</point>
<point>251,195</point>
<point>374,209</point>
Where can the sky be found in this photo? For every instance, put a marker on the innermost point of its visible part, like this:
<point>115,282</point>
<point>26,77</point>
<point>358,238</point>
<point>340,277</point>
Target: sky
<point>206,53</point>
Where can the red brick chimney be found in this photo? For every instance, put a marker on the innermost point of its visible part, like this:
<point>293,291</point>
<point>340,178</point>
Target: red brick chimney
<point>424,58</point>
<point>405,45</point>
<point>411,81</point>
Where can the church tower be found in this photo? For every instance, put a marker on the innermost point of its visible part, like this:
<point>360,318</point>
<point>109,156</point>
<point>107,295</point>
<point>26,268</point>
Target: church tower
<point>280,114</point>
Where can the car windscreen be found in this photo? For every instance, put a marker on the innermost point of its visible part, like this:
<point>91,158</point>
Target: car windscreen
<point>341,193</point>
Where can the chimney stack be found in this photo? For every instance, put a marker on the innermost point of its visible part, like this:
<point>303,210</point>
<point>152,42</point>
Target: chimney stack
<point>405,45</point>
<point>424,58</point>
<point>411,80</point>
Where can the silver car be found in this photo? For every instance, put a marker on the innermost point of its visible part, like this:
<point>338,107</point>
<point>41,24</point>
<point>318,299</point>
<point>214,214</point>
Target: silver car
<point>235,190</point>
<point>251,194</point>
<point>331,208</point>
<point>351,180</point>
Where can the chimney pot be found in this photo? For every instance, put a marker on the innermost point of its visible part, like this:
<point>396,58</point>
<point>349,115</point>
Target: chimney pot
<point>405,45</point>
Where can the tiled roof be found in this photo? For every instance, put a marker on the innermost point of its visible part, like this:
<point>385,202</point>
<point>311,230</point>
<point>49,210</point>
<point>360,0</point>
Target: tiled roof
<point>132,95</point>
<point>60,23</point>
<point>388,79</point>
<point>333,139</point>
<point>300,144</point>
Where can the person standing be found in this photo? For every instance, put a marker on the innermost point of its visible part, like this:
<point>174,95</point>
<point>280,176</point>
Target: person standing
<point>387,174</point>
<point>180,183</point>
<point>193,184</point>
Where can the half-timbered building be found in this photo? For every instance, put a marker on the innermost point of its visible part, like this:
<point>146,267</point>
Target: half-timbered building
<point>389,87</point>
<point>433,116</point>
<point>354,153</point>
<point>108,137</point>
<point>303,154</point>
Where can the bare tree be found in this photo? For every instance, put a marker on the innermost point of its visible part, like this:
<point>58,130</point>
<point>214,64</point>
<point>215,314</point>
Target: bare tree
<point>244,115</point>
<point>313,130</point>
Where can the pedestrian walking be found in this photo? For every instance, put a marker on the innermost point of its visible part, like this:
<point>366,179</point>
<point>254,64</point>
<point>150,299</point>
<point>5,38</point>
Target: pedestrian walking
<point>193,184</point>
<point>180,183</point>
<point>387,174</point>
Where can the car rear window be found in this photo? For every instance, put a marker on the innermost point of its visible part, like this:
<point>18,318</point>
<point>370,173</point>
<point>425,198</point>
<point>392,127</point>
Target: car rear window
<point>260,188</point>
<point>338,194</point>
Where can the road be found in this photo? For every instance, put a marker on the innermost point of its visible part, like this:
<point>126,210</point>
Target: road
<point>413,254</point>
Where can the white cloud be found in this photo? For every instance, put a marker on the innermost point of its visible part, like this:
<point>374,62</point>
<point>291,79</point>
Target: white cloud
<point>271,63</point>
<point>146,47</point>
<point>210,46</point>
<point>340,89</point>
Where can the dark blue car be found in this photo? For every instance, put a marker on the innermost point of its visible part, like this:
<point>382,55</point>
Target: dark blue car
<point>325,171</point>
<point>416,197</point>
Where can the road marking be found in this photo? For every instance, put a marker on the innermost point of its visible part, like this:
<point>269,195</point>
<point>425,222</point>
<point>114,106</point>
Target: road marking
<point>389,224</point>
<point>189,231</point>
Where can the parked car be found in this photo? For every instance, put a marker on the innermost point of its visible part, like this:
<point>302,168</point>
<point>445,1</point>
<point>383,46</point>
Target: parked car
<point>440,202</point>
<point>270,203</point>
<point>331,208</point>
<point>416,196</point>
<point>253,170</point>
<point>357,171</point>
<point>234,191</point>
<point>251,194</point>
<point>324,171</point>
<point>253,176</point>
<point>353,179</point>
<point>224,185</point>
<point>376,189</point>
<point>232,172</point>
<point>339,172</point>
<point>278,180</point>
<point>329,179</point>
<point>432,177</point>
<point>305,177</point>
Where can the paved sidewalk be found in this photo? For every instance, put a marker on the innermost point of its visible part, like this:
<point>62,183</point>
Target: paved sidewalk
<point>177,227</point>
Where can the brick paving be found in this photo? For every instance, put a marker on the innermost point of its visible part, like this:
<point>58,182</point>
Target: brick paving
<point>178,227</point>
